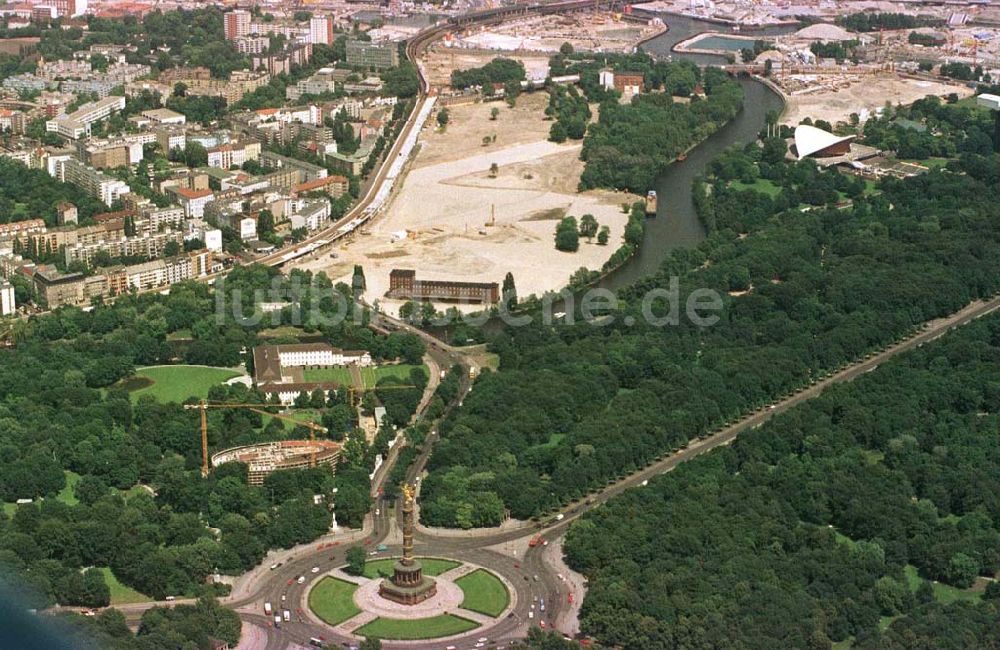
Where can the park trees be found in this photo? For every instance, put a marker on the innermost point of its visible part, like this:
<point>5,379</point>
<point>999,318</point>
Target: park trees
<point>567,235</point>
<point>356,557</point>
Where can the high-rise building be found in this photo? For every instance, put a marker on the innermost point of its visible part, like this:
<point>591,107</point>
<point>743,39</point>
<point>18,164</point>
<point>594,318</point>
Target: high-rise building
<point>236,24</point>
<point>7,305</point>
<point>321,30</point>
<point>372,55</point>
<point>70,8</point>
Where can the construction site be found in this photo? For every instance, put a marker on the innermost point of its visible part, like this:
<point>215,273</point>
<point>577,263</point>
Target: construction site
<point>482,199</point>
<point>884,67</point>
<point>264,458</point>
<point>533,39</point>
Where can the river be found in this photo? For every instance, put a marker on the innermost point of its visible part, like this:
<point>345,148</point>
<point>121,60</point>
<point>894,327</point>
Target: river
<point>676,224</point>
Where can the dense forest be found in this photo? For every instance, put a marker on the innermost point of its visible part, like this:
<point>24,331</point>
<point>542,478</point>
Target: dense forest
<point>822,523</point>
<point>33,194</point>
<point>872,22</point>
<point>805,288</point>
<point>64,407</point>
<point>499,71</point>
<point>967,128</point>
<point>631,144</point>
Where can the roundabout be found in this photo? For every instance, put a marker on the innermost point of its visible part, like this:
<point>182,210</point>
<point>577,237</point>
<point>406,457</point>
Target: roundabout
<point>467,597</point>
<point>423,598</point>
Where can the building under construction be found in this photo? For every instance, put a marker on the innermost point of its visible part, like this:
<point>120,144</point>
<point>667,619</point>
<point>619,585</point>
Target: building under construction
<point>264,458</point>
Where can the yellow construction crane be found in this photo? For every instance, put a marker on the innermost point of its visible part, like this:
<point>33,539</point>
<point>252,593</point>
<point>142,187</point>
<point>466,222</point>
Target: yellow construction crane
<point>203,406</point>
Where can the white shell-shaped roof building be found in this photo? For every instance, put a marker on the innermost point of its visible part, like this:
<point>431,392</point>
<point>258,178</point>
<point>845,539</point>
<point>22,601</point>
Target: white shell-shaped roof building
<point>810,141</point>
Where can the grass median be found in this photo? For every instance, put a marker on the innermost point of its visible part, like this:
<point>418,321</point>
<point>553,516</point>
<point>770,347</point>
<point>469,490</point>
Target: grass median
<point>432,567</point>
<point>484,593</point>
<point>333,600</point>
<point>418,628</point>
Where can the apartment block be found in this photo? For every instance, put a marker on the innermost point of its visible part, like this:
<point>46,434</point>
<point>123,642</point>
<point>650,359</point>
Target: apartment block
<point>372,55</point>
<point>77,124</point>
<point>236,24</point>
<point>92,181</point>
<point>227,155</point>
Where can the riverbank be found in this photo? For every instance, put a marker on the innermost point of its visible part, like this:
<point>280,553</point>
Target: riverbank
<point>689,45</point>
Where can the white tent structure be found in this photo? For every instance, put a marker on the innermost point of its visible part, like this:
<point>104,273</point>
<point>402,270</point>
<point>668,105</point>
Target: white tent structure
<point>810,141</point>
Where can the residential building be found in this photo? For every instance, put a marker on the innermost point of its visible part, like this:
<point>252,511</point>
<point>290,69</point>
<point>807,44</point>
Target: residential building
<point>335,186</point>
<point>355,162</point>
<point>193,201</point>
<point>171,137</point>
<point>311,214</point>
<point>107,154</point>
<point>283,62</point>
<point>248,228</point>
<point>21,229</point>
<point>233,153</point>
<point>321,30</point>
<point>213,240</point>
<point>70,8</point>
<point>309,171</point>
<point>77,124</point>
<point>164,116</point>
<point>404,285</point>
<point>66,214</point>
<point>7,304</point>
<point>153,219</point>
<point>252,44</point>
<point>92,181</point>
<point>56,289</point>
<point>372,55</point>
<point>158,273</point>
<point>236,24</point>
<point>150,245</point>
<point>325,80</point>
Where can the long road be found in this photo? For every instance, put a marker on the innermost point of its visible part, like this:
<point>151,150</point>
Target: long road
<point>280,586</point>
<point>531,576</point>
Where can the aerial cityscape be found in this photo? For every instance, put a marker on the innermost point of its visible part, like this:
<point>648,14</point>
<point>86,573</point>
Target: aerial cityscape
<point>502,325</point>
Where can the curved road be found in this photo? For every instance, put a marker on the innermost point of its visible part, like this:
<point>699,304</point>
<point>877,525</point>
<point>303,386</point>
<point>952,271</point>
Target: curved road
<point>271,585</point>
<point>495,550</point>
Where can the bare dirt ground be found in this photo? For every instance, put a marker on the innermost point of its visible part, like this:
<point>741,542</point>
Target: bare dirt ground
<point>869,92</point>
<point>440,61</point>
<point>450,195</point>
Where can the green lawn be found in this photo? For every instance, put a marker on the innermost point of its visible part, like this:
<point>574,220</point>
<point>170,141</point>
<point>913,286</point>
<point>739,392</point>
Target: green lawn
<point>66,495</point>
<point>121,594</point>
<point>339,374</point>
<point>432,566</point>
<point>333,600</point>
<point>760,185</point>
<point>420,628</point>
<point>944,594</point>
<point>177,383</point>
<point>370,375</point>
<point>484,593</point>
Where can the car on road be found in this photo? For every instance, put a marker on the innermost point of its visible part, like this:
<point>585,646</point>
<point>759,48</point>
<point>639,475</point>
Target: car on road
<point>301,579</point>
<point>277,621</point>
<point>381,547</point>
<point>542,623</point>
<point>315,569</point>
<point>531,615</point>
<point>287,615</point>
<point>536,577</point>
